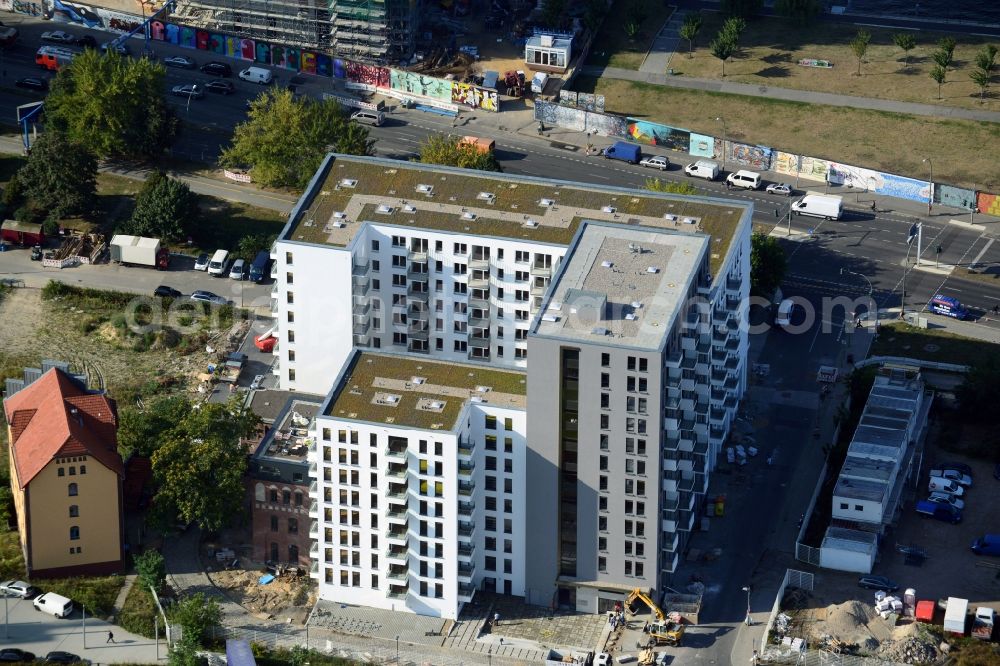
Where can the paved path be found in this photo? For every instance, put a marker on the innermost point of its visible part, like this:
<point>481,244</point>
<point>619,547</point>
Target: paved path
<point>792,95</point>
<point>664,45</point>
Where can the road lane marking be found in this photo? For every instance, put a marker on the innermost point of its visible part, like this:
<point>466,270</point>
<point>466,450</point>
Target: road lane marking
<point>982,252</point>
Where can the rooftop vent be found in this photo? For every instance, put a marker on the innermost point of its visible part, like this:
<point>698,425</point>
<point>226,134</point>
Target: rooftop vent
<point>631,316</point>
<point>607,264</point>
<point>669,217</point>
<point>486,196</point>
<point>484,389</point>
<point>609,209</point>
<point>425,189</point>
<point>348,182</point>
<point>418,380</point>
<point>690,220</point>
<point>653,270</point>
<point>600,330</point>
<point>545,203</point>
<point>384,209</point>
<point>389,399</point>
<point>555,305</point>
<point>636,305</point>
<point>468,215</point>
<point>531,224</point>
<point>428,405</point>
<point>550,317</point>
<point>339,215</point>
<point>477,398</point>
<point>409,208</point>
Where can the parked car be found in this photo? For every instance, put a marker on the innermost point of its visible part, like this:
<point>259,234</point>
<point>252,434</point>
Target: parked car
<point>32,83</point>
<point>179,61</point>
<point>257,383</point>
<point>58,36</point>
<point>939,511</point>
<point>120,48</point>
<point>237,272</point>
<point>191,90</point>
<point>14,655</point>
<point>87,42</point>
<point>201,263</point>
<point>957,466</point>
<point>603,659</point>
<point>655,162</point>
<point>945,498</point>
<point>60,657</point>
<point>36,253</point>
<point>878,583</point>
<point>220,87</point>
<point>779,188</point>
<point>952,475</point>
<point>163,291</point>
<point>18,588</point>
<point>208,297</point>
<point>216,68</point>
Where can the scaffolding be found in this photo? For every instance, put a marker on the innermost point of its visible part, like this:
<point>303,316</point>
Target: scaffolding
<point>378,31</point>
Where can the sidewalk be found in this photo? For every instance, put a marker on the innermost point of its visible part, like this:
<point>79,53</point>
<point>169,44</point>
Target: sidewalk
<point>790,94</point>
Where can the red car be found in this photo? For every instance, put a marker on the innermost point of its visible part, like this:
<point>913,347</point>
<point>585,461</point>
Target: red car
<point>265,341</point>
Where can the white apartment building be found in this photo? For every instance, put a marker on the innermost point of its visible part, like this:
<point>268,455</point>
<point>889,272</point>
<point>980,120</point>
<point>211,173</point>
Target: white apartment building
<point>455,269</point>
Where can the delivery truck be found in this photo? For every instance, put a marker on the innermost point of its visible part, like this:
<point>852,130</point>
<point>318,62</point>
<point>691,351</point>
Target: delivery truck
<point>139,251</point>
<point>982,623</point>
<point>54,58</point>
<point>826,206</point>
<point>626,152</point>
<point>954,615</point>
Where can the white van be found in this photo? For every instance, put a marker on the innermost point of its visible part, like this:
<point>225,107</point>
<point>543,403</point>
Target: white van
<point>54,604</point>
<point>538,82</point>
<point>703,169</point>
<point>375,118</point>
<point>746,179</point>
<point>784,316</point>
<point>939,485</point>
<point>217,266</point>
<point>237,273</point>
<point>819,205</point>
<point>256,75</point>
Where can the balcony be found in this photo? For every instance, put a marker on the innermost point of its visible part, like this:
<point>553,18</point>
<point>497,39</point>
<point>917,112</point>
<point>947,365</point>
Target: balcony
<point>479,279</point>
<point>466,508</point>
<point>359,280</point>
<point>418,331</point>
<point>395,496</point>
<point>397,485</point>
<point>396,472</point>
<point>466,572</point>
<point>466,468</point>
<point>398,573</point>
<point>361,311</point>
<point>539,289</point>
<point>397,516</point>
<point>479,302</point>
<point>479,342</point>
<point>466,529</point>
<point>360,290</point>
<point>417,271</point>
<point>360,268</point>
<point>477,354</point>
<point>479,263</point>
<point>466,550</point>
<point>479,321</point>
<point>361,329</point>
<point>466,591</point>
<point>396,452</point>
<point>734,285</point>
<point>466,488</point>
<point>418,256</point>
<point>541,269</point>
<point>362,340</point>
<point>465,448</point>
<point>398,591</point>
<point>396,554</point>
<point>314,529</point>
<point>395,534</point>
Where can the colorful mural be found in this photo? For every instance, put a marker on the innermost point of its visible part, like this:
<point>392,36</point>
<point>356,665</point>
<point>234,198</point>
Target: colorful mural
<point>988,203</point>
<point>813,168</point>
<point>655,134</point>
<point>413,83</point>
<point>757,158</point>
<point>567,98</point>
<point>786,163</point>
<point>369,75</point>
<point>701,145</point>
<point>956,197</point>
<point>475,97</point>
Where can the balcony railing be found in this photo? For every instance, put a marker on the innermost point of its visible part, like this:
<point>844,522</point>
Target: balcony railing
<point>466,487</point>
<point>479,262</point>
<point>466,529</point>
<point>466,508</point>
<point>396,452</point>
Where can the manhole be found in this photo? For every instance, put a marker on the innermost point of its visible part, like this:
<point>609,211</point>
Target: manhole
<point>930,347</point>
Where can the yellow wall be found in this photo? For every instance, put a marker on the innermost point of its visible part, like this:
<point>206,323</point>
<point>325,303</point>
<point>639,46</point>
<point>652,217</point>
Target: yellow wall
<point>15,487</point>
<point>97,499</point>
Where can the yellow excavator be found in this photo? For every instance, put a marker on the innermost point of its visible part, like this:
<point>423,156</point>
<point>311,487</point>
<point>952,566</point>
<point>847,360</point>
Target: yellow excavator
<point>666,630</point>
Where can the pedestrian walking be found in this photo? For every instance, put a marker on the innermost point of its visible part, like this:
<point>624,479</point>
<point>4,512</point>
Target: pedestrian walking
<point>501,640</point>
<point>111,638</point>
<point>755,658</point>
<point>496,619</point>
<point>873,206</point>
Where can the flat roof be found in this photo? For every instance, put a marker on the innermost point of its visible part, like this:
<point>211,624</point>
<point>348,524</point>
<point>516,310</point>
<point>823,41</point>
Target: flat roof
<point>348,191</point>
<point>622,286</point>
<point>871,491</point>
<point>288,438</point>
<point>860,467</point>
<point>418,393</point>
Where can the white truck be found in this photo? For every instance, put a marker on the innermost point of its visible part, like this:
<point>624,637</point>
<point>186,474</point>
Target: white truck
<point>954,615</point>
<point>568,658</point>
<point>826,206</point>
<point>139,251</point>
<point>982,623</point>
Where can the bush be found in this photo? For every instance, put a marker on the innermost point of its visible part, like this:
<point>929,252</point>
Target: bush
<point>97,594</point>
<point>138,615</point>
<point>55,290</point>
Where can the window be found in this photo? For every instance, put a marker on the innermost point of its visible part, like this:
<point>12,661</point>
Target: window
<point>374,246</point>
<point>62,472</point>
<point>274,523</point>
<point>490,563</point>
<point>491,422</point>
<point>398,241</point>
<point>73,490</point>
<point>293,526</point>
<point>298,498</point>
<point>605,360</point>
<point>274,494</point>
<point>72,470</point>
<point>74,511</point>
<point>844,506</point>
<point>606,380</point>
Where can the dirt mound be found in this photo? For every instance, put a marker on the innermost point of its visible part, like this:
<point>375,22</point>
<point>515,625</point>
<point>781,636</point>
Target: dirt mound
<point>289,596</point>
<point>851,626</point>
<point>910,650</point>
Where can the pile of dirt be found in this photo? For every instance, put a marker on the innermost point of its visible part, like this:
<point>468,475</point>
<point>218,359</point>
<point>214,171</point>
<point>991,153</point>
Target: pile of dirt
<point>290,596</point>
<point>910,650</point>
<point>852,625</point>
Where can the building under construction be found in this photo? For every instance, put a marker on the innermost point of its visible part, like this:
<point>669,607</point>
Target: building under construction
<point>377,31</point>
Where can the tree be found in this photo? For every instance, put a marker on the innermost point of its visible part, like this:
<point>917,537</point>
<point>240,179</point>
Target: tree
<point>631,29</point>
<point>199,466</point>
<point>151,569</point>
<point>139,430</point>
<point>285,139</point>
<point>973,403</point>
<point>906,41</point>
<point>184,652</point>
<point>637,11</point>
<point>942,58</point>
<point>690,29</point>
<point>733,28</point>
<point>450,151</point>
<point>198,615</point>
<point>767,264</point>
<point>60,176</point>
<point>982,78</point>
<point>248,246</point>
<point>113,105</point>
<point>554,13</point>
<point>986,58</point>
<point>939,75</point>
<point>657,185</point>
<point>164,208</point>
<point>859,46</point>
<point>744,8</point>
<point>594,15</point>
<point>800,10</point>
<point>722,47</point>
<point>947,45</point>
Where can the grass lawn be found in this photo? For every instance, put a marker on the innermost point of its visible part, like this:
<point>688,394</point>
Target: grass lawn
<point>851,136</point>
<point>771,48</point>
<point>612,48</point>
<point>224,223</point>
<point>900,339</point>
<point>138,614</point>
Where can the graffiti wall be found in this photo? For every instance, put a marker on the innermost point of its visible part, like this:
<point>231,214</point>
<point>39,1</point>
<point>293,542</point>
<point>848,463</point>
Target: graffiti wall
<point>475,97</point>
<point>701,145</point>
<point>757,158</point>
<point>372,76</point>
<point>956,197</point>
<point>904,188</point>
<point>413,83</point>
<point>785,163</point>
<point>580,120</point>
<point>567,98</point>
<point>813,168</point>
<point>988,203</point>
<point>854,177</point>
<point>655,134</point>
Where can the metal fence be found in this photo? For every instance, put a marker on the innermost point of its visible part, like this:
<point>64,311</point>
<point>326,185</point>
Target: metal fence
<point>824,658</point>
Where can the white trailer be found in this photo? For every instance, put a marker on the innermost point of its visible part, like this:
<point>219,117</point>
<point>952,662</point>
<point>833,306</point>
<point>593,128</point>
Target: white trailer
<point>954,615</point>
<point>138,251</point>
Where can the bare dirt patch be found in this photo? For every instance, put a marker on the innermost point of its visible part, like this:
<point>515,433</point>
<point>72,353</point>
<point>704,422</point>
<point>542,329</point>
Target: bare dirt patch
<point>287,596</point>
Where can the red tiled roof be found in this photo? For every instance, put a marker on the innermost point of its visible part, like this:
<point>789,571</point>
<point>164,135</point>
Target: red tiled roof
<point>43,426</point>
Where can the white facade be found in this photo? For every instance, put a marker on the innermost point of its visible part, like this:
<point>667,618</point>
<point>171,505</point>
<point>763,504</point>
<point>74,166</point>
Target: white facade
<point>416,520</point>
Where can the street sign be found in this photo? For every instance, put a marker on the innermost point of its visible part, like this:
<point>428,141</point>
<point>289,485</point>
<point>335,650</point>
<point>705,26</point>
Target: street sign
<point>28,111</point>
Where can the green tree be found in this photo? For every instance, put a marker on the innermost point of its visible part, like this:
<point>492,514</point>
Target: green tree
<point>986,58</point>
<point>973,403</point>
<point>982,78</point>
<point>689,31</point>
<point>164,208</point>
<point>631,29</point>
<point>734,28</point>
<point>939,75</point>
<point>744,8</point>
<point>942,58</point>
<point>859,46</point>
<point>594,14</point>
<point>248,246</point>
<point>140,429</point>
<point>6,507</point>
<point>657,185</point>
<point>284,139</point>
<point>906,42</point>
<point>185,653</point>
<point>947,45</point>
<point>60,176</point>
<point>450,151</point>
<point>151,569</point>
<point>722,47</point>
<point>767,264</point>
<point>800,10</point>
<point>113,105</point>
<point>198,615</point>
<point>637,11</point>
<point>199,466</point>
<point>554,13</point>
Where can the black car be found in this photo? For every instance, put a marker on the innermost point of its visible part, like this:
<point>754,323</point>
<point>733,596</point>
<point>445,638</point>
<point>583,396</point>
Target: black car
<point>32,83</point>
<point>87,42</point>
<point>163,291</point>
<point>60,657</point>
<point>961,468</point>
<point>15,655</point>
<point>220,87</point>
<point>878,583</point>
<point>216,68</point>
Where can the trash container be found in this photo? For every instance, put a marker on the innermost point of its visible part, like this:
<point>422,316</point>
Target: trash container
<point>670,71</point>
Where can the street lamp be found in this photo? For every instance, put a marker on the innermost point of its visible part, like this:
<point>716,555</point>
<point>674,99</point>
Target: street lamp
<point>930,187</point>
<point>722,120</point>
<point>871,303</point>
<point>749,621</point>
<point>397,648</point>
